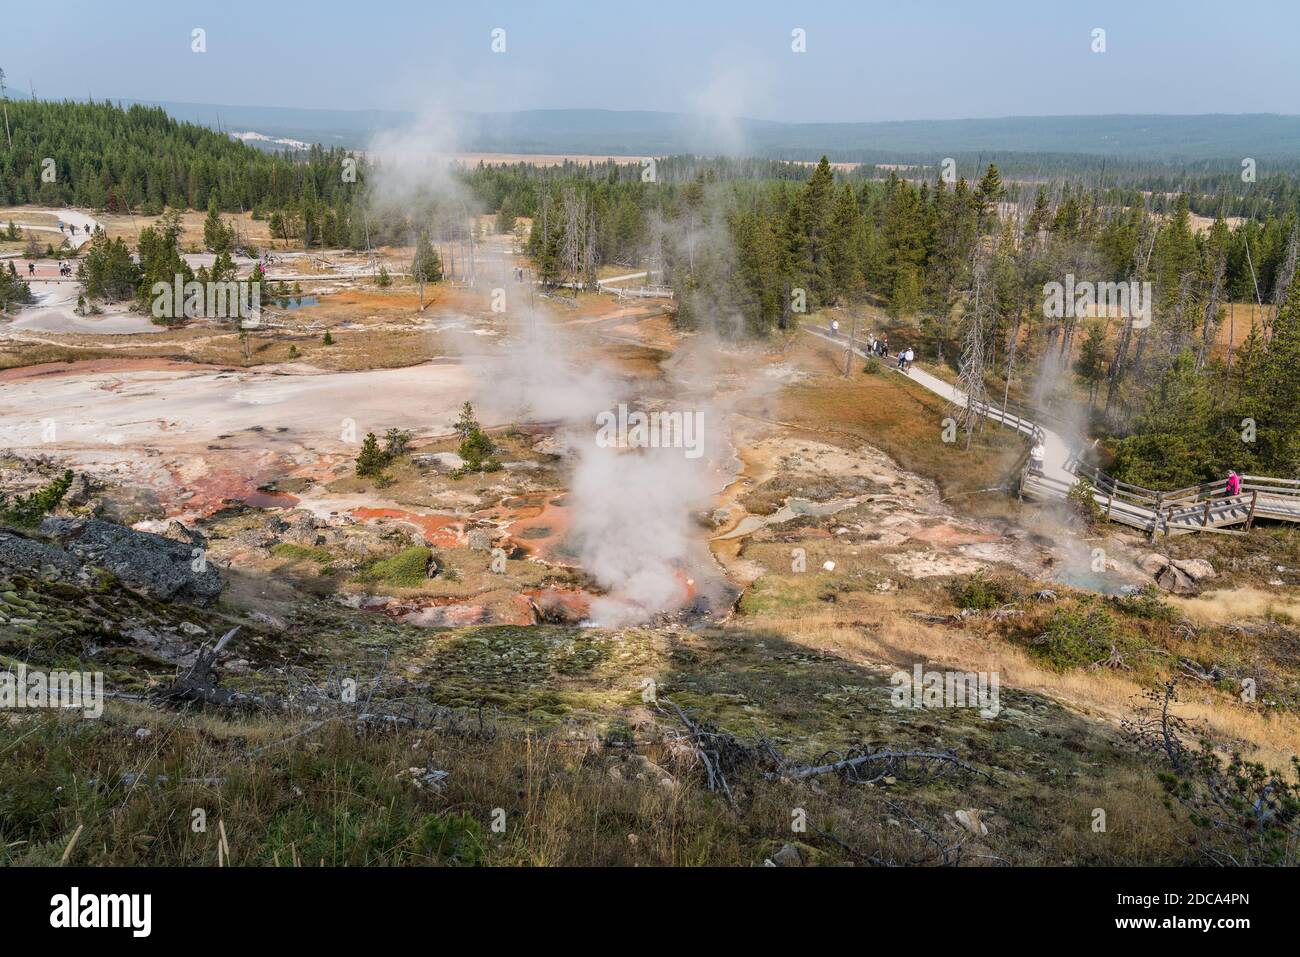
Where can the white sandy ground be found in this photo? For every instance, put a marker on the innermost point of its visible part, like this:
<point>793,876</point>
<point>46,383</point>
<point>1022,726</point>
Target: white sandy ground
<point>197,437</point>
<point>182,408</point>
<point>56,300</point>
<point>55,311</point>
<point>84,223</point>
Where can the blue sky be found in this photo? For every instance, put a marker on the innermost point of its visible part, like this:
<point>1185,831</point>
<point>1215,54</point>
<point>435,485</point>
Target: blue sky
<point>867,60</point>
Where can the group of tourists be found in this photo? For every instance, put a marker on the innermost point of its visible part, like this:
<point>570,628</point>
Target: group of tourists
<point>879,347</point>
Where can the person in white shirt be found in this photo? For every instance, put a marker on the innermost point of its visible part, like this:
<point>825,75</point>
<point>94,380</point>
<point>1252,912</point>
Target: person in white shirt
<point>1037,455</point>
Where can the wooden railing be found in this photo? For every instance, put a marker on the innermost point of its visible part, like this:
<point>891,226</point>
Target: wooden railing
<point>1150,509</point>
<point>1203,507</point>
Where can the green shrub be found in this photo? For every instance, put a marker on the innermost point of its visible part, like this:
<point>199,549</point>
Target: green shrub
<point>1147,604</point>
<point>453,839</point>
<point>308,552</point>
<point>406,569</point>
<point>476,450</point>
<point>26,511</point>
<point>1081,502</point>
<point>371,460</point>
<point>981,593</point>
<point>1080,635</point>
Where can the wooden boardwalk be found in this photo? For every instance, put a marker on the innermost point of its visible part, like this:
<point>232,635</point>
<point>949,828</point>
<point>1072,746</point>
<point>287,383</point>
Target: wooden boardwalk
<point>1200,508</point>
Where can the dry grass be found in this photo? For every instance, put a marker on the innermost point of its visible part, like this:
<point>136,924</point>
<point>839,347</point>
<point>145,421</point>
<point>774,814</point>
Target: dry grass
<point>128,227</point>
<point>1239,604</point>
<point>902,419</point>
<point>899,640</point>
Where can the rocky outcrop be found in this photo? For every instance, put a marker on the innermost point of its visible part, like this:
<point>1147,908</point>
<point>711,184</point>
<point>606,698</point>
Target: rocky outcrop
<point>178,532</point>
<point>1177,575</point>
<point>159,567</point>
<point>302,528</point>
<point>19,553</point>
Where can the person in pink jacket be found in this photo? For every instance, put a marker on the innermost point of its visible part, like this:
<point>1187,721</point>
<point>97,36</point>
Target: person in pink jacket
<point>1234,483</point>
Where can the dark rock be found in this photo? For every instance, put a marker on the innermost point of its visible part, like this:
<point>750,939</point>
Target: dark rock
<point>78,492</point>
<point>186,536</point>
<point>1173,579</point>
<point>29,555</point>
<point>302,531</point>
<point>157,566</point>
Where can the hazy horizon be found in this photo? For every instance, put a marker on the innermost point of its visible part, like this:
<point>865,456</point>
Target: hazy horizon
<point>860,63</point>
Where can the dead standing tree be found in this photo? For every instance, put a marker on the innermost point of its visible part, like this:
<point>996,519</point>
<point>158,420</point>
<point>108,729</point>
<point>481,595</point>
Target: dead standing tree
<point>972,365</point>
<point>574,242</point>
<point>590,254</point>
<point>1210,325</point>
<point>1119,363</point>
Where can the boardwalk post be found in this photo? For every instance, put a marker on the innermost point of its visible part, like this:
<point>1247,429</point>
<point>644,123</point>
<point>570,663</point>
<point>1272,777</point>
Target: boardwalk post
<point>1250,517</point>
<point>1205,517</point>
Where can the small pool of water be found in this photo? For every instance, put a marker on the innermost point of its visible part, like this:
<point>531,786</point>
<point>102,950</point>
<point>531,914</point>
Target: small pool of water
<point>266,499</point>
<point>1099,583</point>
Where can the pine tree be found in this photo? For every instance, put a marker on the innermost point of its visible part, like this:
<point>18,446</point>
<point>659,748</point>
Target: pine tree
<point>1176,439</point>
<point>1090,366</point>
<point>1271,387</point>
<point>467,423</point>
<point>426,267</point>
<point>216,235</point>
<point>371,460</point>
<point>107,270</point>
<point>505,223</point>
<point>846,246</point>
<point>819,210</point>
<point>988,193</point>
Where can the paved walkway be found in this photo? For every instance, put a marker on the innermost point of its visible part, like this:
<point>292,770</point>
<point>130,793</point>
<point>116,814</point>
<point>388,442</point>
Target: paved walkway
<point>1206,507</point>
<point>84,223</point>
<point>1058,452</point>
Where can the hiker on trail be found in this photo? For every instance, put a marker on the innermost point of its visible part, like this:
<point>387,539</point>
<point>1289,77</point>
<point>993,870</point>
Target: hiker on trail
<point>884,345</point>
<point>909,357</point>
<point>1037,455</point>
<point>835,327</point>
<point>31,269</point>
<point>1234,483</point>
<point>902,358</point>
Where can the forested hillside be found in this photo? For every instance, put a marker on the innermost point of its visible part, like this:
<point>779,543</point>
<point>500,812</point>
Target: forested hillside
<point>139,158</point>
